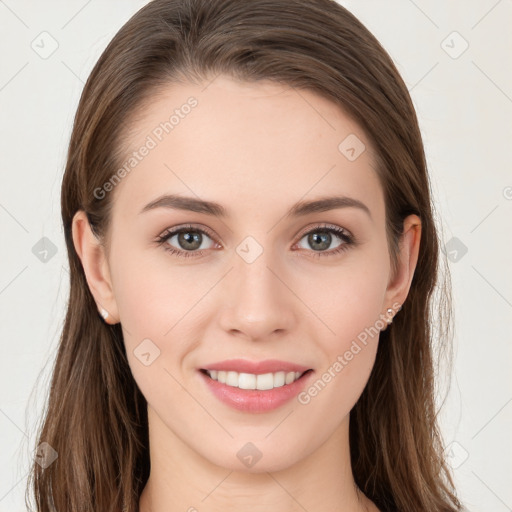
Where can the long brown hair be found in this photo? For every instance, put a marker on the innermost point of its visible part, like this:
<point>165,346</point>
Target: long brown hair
<point>96,417</point>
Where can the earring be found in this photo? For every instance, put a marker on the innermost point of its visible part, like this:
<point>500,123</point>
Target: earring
<point>389,320</point>
<point>104,313</point>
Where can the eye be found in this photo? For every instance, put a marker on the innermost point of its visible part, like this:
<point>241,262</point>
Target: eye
<point>320,238</point>
<point>190,241</point>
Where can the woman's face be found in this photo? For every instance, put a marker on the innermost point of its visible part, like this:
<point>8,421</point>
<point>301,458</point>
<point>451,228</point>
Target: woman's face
<point>262,281</point>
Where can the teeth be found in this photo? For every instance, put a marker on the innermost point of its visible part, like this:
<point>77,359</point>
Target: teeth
<point>251,381</point>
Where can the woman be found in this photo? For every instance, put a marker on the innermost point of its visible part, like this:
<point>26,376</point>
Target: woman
<point>252,255</point>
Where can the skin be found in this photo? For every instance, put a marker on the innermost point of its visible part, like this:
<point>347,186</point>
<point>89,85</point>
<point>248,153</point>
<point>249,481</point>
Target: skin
<point>256,149</point>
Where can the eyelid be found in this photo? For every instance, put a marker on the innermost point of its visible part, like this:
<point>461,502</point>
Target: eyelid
<point>342,233</point>
<point>172,231</point>
<point>167,233</point>
<point>324,225</point>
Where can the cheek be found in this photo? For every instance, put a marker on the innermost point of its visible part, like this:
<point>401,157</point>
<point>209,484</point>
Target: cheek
<point>154,304</point>
<point>151,294</point>
<point>150,310</point>
<point>350,306</point>
<point>349,300</point>
<point>349,353</point>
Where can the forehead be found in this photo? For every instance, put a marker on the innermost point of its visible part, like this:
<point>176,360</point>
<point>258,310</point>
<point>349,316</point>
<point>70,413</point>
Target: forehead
<point>248,146</point>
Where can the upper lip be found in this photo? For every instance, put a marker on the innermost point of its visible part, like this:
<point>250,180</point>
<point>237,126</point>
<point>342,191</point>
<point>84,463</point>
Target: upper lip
<point>256,367</point>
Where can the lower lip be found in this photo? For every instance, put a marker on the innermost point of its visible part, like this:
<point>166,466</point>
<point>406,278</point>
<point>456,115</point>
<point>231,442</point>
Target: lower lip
<point>256,400</point>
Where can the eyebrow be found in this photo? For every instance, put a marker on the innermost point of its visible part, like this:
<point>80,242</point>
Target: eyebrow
<point>300,208</point>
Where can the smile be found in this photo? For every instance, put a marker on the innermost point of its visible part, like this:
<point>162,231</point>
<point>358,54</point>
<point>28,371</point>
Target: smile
<point>255,393</point>
<point>252,381</point>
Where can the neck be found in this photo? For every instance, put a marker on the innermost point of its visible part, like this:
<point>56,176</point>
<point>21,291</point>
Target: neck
<point>182,480</point>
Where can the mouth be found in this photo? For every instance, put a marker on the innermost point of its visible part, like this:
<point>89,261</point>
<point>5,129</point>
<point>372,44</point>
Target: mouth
<point>255,393</point>
<point>252,381</point>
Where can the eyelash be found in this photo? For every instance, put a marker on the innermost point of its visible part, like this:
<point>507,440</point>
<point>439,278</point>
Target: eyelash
<point>341,233</point>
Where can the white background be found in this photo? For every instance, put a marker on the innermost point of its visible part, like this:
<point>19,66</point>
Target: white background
<point>464,105</point>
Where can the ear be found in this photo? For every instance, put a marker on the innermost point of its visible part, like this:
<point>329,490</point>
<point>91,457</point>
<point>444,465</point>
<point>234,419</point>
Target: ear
<point>409,244</point>
<point>95,264</point>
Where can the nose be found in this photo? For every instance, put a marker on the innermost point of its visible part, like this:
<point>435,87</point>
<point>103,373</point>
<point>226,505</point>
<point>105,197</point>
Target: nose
<point>257,302</point>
